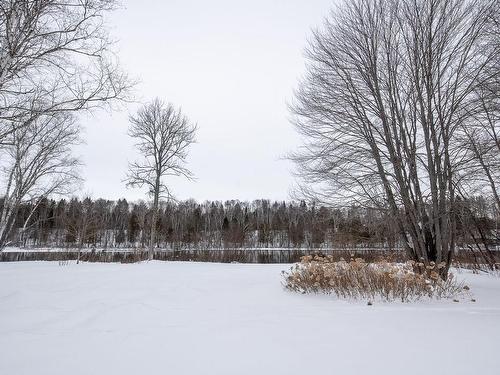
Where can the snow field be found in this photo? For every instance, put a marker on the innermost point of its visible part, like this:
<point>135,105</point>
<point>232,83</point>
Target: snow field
<point>204,318</point>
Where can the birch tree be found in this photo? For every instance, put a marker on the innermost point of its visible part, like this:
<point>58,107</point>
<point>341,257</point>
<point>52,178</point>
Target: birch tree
<point>389,86</point>
<point>55,59</point>
<point>36,163</point>
<point>163,135</point>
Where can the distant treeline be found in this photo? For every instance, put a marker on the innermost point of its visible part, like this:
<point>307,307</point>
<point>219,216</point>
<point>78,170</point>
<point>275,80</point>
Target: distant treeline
<point>188,224</point>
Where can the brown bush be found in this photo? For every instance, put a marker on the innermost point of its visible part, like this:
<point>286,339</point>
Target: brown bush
<point>361,280</point>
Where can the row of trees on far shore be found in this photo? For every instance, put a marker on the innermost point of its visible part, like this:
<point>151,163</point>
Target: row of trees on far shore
<point>102,223</point>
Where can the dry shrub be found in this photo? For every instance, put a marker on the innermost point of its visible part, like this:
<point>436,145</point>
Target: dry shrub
<point>361,280</point>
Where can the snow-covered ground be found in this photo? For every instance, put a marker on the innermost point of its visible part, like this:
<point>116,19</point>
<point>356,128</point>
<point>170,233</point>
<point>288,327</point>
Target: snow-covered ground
<point>202,318</point>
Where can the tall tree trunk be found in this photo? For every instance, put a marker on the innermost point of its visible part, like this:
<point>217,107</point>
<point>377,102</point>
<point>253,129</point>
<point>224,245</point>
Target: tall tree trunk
<point>154,218</point>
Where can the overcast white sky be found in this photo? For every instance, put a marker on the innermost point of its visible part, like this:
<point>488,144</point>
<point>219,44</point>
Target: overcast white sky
<point>232,66</point>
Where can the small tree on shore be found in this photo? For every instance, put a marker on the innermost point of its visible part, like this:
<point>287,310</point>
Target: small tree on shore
<point>163,136</point>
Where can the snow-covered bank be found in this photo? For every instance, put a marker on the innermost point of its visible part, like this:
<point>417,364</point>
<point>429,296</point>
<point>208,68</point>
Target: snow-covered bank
<point>203,318</point>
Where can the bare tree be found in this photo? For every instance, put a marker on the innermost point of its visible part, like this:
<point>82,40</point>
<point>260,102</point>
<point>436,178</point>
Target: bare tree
<point>36,163</point>
<point>55,56</point>
<point>163,136</point>
<point>389,85</point>
<point>55,59</point>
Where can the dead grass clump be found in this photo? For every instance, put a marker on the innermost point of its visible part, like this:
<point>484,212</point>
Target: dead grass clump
<point>361,280</point>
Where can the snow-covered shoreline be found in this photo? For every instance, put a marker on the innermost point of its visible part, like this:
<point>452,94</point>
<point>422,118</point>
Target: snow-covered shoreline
<point>87,249</point>
<point>205,318</point>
